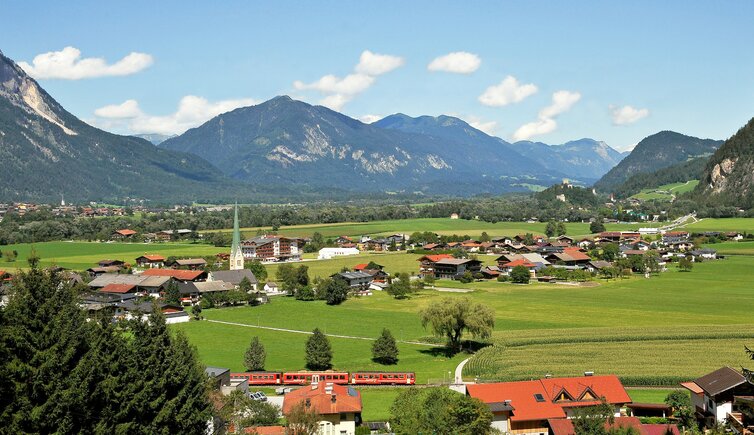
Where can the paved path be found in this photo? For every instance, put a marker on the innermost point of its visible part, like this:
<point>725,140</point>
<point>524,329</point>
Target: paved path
<point>459,371</point>
<point>296,331</point>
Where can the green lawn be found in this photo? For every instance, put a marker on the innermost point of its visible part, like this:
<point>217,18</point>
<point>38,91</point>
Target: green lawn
<point>666,191</point>
<point>377,402</point>
<point>734,248</point>
<point>722,224</point>
<point>83,255</point>
<point>650,395</point>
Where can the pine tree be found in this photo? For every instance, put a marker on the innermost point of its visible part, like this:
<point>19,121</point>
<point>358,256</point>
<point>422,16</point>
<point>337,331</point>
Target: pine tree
<point>385,349</point>
<point>255,355</point>
<point>172,293</point>
<point>318,351</point>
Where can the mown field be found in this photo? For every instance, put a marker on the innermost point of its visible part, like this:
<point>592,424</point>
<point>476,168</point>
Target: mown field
<point>734,248</point>
<point>722,224</point>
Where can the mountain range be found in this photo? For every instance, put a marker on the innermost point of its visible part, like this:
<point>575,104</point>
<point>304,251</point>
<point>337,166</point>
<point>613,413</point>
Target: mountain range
<point>658,151</point>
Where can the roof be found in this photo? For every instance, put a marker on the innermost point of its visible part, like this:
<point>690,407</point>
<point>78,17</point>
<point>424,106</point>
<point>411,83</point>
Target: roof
<point>340,399</point>
<point>564,426</point>
<point>183,275</point>
<point>434,258</point>
<point>234,276</point>
<point>519,262</point>
<point>457,261</point>
<point>719,381</point>
<point>105,269</point>
<point>214,372</point>
<point>527,406</point>
<point>360,266</point>
<point>139,280</point>
<point>213,286</point>
<point>265,430</point>
<point>191,262</point>
<point>152,257</point>
<point>354,275</point>
<point>660,429</point>
<point>118,288</point>
<point>126,232</point>
<point>691,386</point>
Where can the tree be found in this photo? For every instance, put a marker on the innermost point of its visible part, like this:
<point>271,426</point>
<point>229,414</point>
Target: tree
<point>685,264</point>
<point>334,291</point>
<point>255,355</point>
<point>451,317</point>
<point>399,287</point>
<point>528,239</point>
<point>610,251</point>
<point>438,410</point>
<point>373,266</point>
<point>287,278</point>
<point>651,261</point>
<point>596,227</point>
<point>551,229</point>
<point>318,351</point>
<point>241,411</point>
<point>591,420</point>
<point>302,276</point>
<point>467,277</point>
<point>560,229</point>
<point>385,349</point>
<point>172,293</point>
<point>681,407</point>
<point>302,420</point>
<point>520,275</point>
<point>258,269</point>
<point>484,237</point>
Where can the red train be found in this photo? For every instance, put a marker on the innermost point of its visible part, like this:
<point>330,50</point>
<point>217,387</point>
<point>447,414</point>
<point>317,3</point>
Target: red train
<point>305,377</point>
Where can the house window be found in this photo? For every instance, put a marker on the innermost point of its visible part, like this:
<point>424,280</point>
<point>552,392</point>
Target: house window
<point>539,398</point>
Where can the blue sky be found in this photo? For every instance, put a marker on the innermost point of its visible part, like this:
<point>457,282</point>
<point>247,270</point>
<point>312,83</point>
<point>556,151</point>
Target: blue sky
<point>683,66</point>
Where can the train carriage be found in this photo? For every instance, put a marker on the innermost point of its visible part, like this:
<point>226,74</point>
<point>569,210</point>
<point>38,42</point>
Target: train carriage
<point>303,378</point>
<point>260,378</point>
<point>383,378</point>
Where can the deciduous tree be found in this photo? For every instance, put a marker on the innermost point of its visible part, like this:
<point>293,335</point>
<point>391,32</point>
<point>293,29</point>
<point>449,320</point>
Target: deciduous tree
<point>451,317</point>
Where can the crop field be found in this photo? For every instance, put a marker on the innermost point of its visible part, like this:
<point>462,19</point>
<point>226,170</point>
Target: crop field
<point>83,255</point>
<point>677,325</point>
<point>442,226</point>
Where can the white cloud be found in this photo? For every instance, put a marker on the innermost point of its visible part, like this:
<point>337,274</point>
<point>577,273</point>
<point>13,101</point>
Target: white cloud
<point>459,62</point>
<point>507,92</point>
<point>374,64</point>
<point>67,64</point>
<point>339,91</point>
<point>192,111</point>
<point>562,101</point>
<point>125,110</point>
<point>489,127</point>
<point>368,119</point>
<point>627,114</point>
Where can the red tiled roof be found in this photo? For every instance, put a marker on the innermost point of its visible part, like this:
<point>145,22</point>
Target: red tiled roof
<point>126,232</point>
<point>117,288</point>
<point>576,254</point>
<point>322,402</point>
<point>183,275</point>
<point>265,430</point>
<point>660,429</point>
<point>520,262</point>
<point>435,258</point>
<point>153,257</point>
<point>564,426</point>
<point>526,407</point>
<point>361,266</point>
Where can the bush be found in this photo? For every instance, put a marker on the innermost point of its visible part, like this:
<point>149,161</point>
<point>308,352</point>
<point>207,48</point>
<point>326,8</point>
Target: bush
<point>520,275</point>
<point>466,278</point>
<point>502,278</point>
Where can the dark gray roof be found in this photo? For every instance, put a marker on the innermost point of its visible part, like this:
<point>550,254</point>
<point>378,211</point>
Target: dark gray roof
<point>214,372</point>
<point>720,380</point>
<point>354,275</point>
<point>234,276</point>
<point>500,406</point>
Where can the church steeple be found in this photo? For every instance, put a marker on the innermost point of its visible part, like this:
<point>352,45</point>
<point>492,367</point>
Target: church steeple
<point>236,254</point>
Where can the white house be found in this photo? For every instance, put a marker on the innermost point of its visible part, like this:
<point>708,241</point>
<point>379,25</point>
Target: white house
<point>712,395</point>
<point>328,253</point>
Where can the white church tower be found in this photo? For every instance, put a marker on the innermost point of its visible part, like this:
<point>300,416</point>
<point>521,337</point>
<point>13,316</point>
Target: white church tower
<point>236,254</point>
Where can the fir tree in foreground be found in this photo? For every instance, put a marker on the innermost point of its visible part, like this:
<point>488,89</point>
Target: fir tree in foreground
<point>64,374</point>
<point>385,349</point>
<point>318,351</point>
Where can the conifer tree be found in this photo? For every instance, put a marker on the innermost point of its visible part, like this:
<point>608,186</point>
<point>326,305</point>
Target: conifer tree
<point>385,349</point>
<point>255,355</point>
<point>318,351</point>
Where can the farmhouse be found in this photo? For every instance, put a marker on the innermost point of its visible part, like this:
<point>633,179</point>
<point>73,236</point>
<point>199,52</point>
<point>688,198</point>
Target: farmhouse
<point>177,274</point>
<point>150,261</point>
<point>338,406</point>
<point>272,248</point>
<point>454,267</point>
<point>355,279</point>
<point>713,394</point>
<point>107,263</point>
<point>124,234</point>
<point>704,253</point>
<point>234,277</point>
<point>189,263</point>
<point>528,407</point>
<point>97,271</point>
<point>144,284</point>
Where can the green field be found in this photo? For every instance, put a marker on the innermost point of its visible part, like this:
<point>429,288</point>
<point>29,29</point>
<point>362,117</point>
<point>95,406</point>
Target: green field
<point>666,191</point>
<point>676,325</point>
<point>650,395</point>
<point>722,225</point>
<point>83,255</point>
<point>442,226</point>
<point>734,248</point>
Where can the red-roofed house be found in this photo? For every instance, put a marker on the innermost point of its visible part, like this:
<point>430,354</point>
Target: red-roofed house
<point>119,288</point>
<point>339,406</point>
<point>180,275</point>
<point>150,260</point>
<point>525,407</point>
<point>507,268</point>
<point>564,426</point>
<point>427,263</point>
<point>123,234</point>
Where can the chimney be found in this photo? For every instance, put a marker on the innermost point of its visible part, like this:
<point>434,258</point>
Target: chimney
<point>590,373</point>
<point>506,402</point>
<point>548,375</point>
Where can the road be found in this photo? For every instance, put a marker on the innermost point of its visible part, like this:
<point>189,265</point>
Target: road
<point>459,371</point>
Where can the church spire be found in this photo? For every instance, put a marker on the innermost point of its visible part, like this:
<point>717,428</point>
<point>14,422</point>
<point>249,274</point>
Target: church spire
<point>236,254</point>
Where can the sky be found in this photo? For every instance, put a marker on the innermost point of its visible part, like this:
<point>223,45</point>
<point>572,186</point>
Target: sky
<point>525,70</point>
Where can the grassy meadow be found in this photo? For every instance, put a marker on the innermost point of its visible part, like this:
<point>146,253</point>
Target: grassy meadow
<point>666,191</point>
